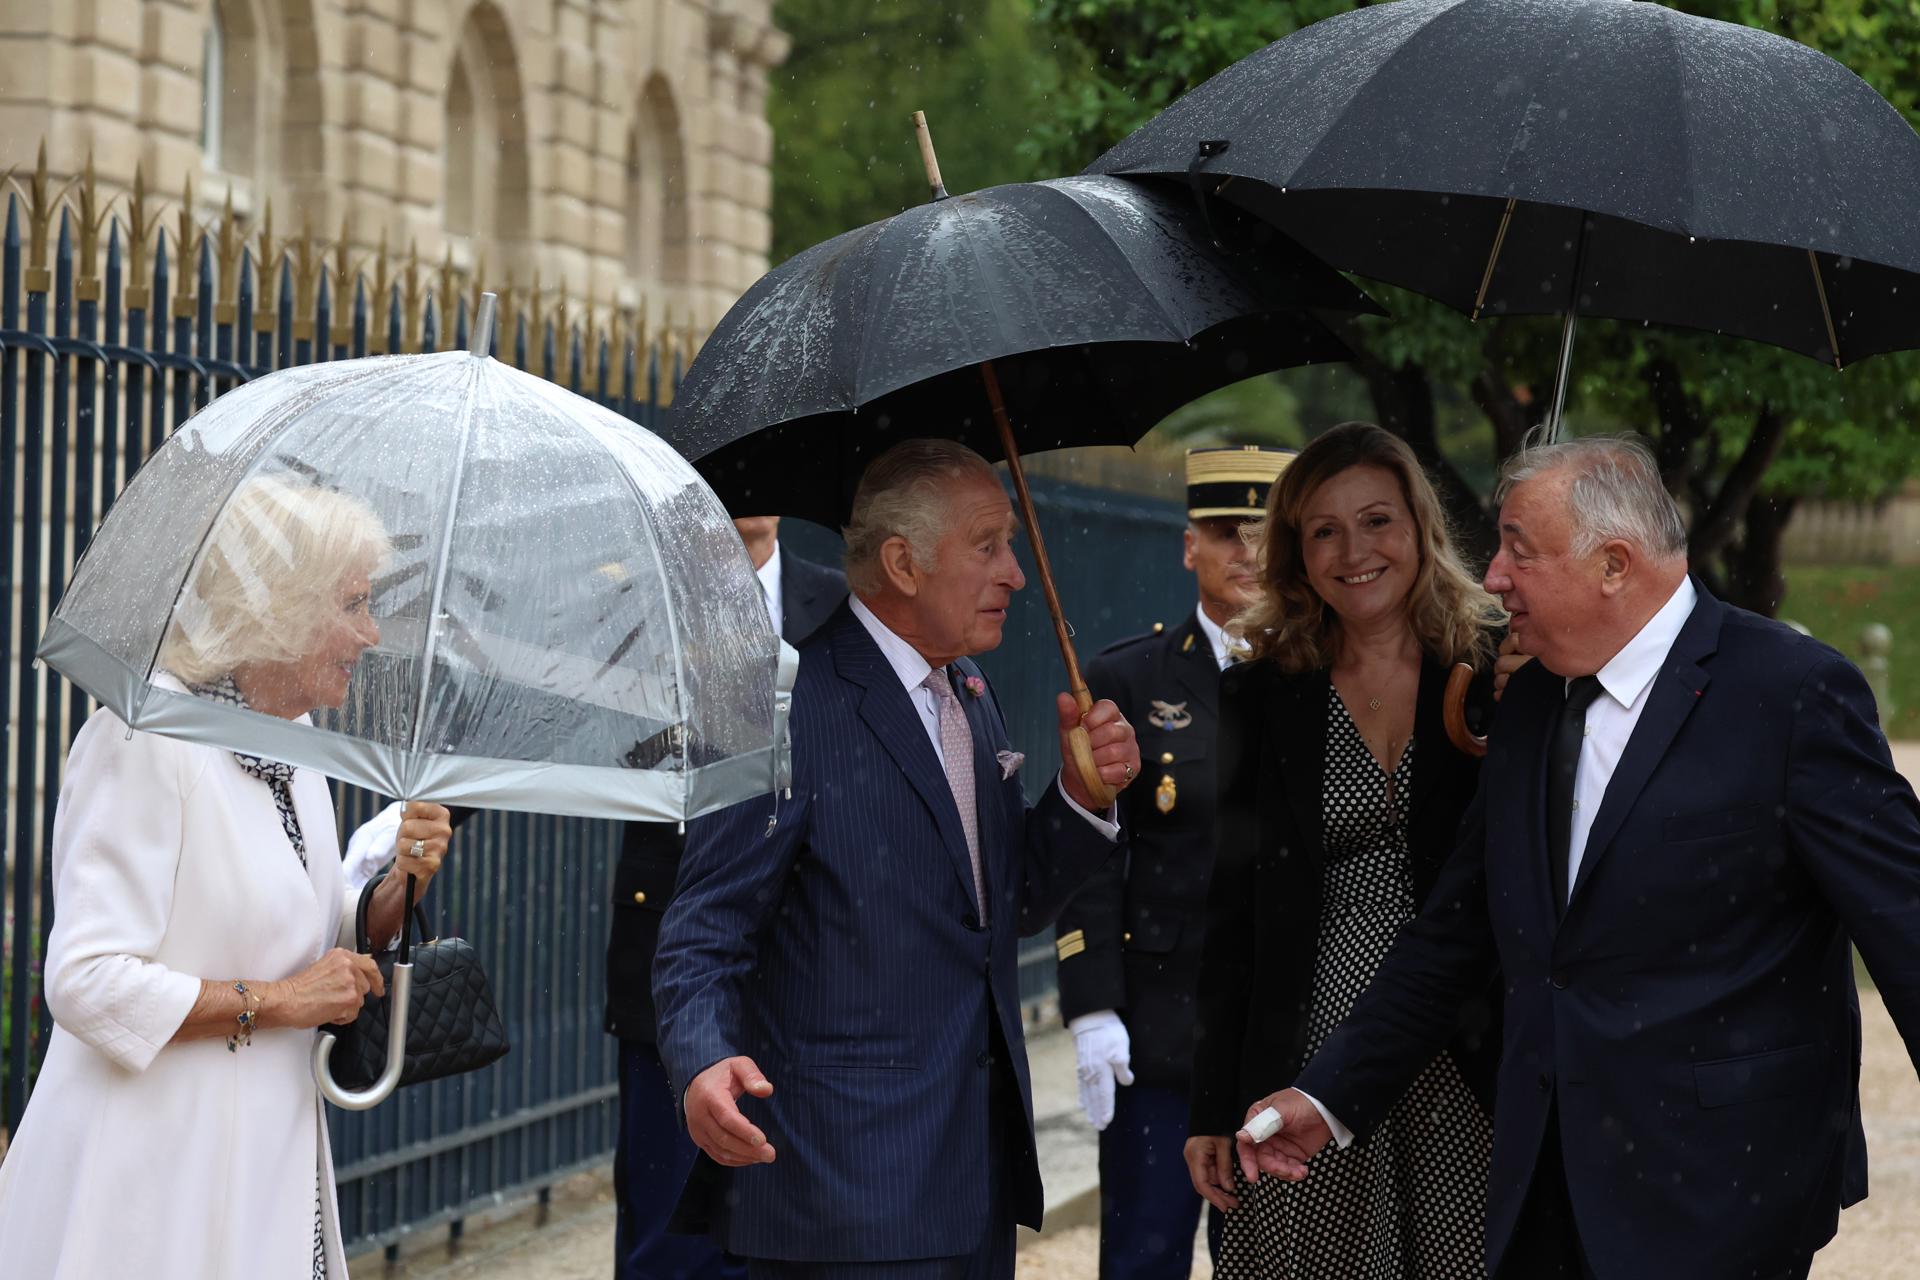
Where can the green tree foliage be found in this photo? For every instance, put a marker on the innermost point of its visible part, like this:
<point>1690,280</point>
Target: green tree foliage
<point>844,151</point>
<point>1742,430</point>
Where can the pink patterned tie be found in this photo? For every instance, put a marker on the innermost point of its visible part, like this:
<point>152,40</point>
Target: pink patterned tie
<point>956,746</point>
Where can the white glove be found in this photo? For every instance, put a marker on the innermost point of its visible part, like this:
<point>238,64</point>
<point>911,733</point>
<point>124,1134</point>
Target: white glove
<point>371,847</point>
<point>1106,1059</point>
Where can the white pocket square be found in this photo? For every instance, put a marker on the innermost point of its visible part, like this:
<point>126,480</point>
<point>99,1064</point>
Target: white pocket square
<point>1010,762</point>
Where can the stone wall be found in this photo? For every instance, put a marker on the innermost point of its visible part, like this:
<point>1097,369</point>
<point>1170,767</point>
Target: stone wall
<point>616,150</point>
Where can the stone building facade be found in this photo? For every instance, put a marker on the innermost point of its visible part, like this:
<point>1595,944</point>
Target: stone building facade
<point>616,149</point>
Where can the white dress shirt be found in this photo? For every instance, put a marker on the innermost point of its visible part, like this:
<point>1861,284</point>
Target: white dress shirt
<point>1610,721</point>
<point>769,575</point>
<point>912,669</point>
<point>1224,646</point>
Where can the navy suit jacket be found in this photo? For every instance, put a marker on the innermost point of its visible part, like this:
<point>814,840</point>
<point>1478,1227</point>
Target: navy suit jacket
<point>1693,1014</point>
<point>842,952</point>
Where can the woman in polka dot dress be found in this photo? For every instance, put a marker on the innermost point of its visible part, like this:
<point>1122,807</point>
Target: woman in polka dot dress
<point>1340,795</point>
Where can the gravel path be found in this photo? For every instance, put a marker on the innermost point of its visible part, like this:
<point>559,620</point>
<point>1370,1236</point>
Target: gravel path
<point>1879,1237</point>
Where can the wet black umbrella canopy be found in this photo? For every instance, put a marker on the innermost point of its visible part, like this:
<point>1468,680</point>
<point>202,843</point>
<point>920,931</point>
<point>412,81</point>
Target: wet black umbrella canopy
<point>1605,157</point>
<point>1102,304</point>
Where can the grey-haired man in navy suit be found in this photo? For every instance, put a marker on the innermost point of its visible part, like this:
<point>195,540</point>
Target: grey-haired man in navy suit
<point>837,978</point>
<point>654,1154</point>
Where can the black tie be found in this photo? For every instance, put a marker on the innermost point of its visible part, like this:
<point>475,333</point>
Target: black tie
<point>1563,761</point>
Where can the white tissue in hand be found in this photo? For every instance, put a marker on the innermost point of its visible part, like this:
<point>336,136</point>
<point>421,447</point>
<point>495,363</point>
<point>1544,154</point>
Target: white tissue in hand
<point>1264,1125</point>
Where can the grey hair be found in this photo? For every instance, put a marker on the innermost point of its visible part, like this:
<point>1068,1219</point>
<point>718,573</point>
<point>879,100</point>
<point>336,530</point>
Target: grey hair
<point>903,493</point>
<point>1614,492</point>
<point>265,584</point>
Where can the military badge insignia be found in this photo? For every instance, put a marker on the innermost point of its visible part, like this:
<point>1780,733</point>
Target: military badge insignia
<point>1169,715</point>
<point>1166,795</point>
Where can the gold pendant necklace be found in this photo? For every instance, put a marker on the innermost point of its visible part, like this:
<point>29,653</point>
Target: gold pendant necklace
<point>1373,704</point>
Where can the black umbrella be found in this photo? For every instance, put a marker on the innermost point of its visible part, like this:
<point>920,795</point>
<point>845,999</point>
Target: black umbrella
<point>1577,157</point>
<point>1072,312</point>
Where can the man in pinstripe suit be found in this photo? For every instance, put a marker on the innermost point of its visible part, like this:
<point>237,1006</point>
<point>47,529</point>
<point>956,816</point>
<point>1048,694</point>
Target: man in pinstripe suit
<point>843,963</point>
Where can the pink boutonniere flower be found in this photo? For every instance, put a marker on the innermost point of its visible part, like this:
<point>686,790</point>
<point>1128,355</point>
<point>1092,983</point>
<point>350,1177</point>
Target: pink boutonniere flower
<point>975,685</point>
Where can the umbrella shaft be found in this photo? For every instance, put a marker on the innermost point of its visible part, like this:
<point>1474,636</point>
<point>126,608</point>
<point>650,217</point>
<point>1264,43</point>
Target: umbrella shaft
<point>1042,566</point>
<point>1560,375</point>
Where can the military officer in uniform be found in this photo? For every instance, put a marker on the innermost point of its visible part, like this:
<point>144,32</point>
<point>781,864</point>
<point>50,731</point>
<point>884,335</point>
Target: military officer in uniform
<point>1129,943</point>
<point>654,1154</point>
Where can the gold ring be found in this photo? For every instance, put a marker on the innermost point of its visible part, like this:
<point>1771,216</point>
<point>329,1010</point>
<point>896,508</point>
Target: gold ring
<point>1129,771</point>
<point>419,849</point>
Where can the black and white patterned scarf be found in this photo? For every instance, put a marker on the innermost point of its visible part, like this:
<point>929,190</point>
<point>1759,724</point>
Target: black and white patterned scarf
<point>277,776</point>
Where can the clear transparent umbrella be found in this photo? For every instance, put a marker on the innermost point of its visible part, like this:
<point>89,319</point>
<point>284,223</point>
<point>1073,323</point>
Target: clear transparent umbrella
<point>568,621</point>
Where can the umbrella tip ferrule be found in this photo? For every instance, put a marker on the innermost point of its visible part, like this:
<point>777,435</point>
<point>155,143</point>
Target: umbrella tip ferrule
<point>483,320</point>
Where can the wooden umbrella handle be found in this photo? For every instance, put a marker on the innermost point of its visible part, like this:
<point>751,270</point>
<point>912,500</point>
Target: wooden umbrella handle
<point>1454,712</point>
<point>936,189</point>
<point>1078,743</point>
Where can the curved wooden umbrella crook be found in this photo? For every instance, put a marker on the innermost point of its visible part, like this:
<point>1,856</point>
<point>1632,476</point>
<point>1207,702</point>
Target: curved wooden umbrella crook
<point>1078,742</point>
<point>1454,712</point>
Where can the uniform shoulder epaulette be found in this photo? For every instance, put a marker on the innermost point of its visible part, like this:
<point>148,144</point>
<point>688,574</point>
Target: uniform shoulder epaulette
<point>1130,641</point>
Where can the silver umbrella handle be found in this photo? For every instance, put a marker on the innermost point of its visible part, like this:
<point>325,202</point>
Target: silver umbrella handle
<point>400,986</point>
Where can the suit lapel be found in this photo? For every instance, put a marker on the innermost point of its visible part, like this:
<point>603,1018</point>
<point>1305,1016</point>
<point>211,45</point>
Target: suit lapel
<point>1676,691</point>
<point>1194,669</point>
<point>1300,715</point>
<point>988,793</point>
<point>888,710</point>
<point>1434,755</point>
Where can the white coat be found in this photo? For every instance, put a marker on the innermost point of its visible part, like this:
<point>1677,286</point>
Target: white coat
<point>174,1161</point>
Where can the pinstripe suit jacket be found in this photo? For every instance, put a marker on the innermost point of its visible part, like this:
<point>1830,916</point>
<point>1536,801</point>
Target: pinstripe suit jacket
<point>842,952</point>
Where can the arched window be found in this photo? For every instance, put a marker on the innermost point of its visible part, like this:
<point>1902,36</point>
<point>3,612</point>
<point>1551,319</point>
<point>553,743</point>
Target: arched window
<point>462,140</point>
<point>658,252</point>
<point>485,186</point>
<point>241,82</point>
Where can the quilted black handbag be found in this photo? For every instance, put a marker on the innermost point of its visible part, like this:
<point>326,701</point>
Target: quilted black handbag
<point>453,1024</point>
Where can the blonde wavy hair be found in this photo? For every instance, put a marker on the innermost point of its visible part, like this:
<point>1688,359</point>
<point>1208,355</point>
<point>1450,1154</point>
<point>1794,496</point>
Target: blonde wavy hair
<point>265,585</point>
<point>1450,613</point>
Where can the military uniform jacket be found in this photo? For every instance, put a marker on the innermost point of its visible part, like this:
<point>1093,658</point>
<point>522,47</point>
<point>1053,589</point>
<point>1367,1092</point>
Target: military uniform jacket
<point>1130,940</point>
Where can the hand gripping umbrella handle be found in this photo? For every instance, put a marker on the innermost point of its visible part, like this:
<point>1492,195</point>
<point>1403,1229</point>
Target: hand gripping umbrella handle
<point>399,990</point>
<point>1454,712</point>
<point>399,987</point>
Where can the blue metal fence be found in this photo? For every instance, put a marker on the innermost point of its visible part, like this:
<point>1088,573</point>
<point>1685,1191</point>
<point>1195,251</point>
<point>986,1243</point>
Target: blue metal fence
<point>93,379</point>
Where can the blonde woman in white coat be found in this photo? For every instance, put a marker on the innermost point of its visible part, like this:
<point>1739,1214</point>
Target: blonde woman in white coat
<point>202,932</point>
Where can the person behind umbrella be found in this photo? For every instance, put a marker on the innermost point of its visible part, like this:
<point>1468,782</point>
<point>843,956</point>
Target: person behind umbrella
<point>1689,822</point>
<point>1129,942</point>
<point>653,1153</point>
<point>844,962</point>
<point>200,935</point>
<point>1339,799</point>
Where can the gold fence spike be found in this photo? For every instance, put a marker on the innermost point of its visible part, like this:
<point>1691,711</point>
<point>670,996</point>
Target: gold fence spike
<point>447,296</point>
<point>307,266</point>
<point>40,203</point>
<point>266,275</point>
<point>478,280</point>
<point>509,318</point>
<point>381,308</point>
<point>536,335</point>
<point>412,297</point>
<point>562,335</point>
<point>140,234</point>
<point>341,333</point>
<point>93,217</point>
<point>226,254</point>
<point>188,242</point>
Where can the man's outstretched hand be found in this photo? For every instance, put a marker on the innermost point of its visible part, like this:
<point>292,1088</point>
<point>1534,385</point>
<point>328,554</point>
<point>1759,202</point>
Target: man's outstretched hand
<point>1302,1135</point>
<point>714,1120</point>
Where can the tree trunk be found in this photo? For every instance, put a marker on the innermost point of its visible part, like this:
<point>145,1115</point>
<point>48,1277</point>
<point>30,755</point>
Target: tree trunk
<point>1754,580</point>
